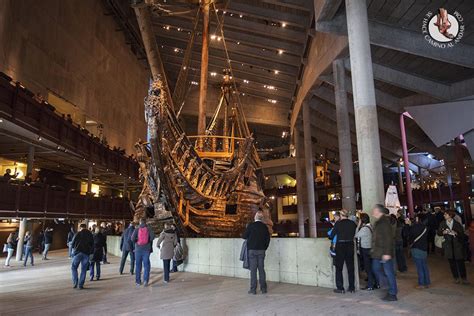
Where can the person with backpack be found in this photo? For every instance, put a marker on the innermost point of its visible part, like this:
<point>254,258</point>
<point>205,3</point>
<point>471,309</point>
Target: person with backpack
<point>418,241</point>
<point>126,247</point>
<point>143,237</point>
<point>166,243</point>
<point>345,230</point>
<point>178,256</point>
<point>364,235</point>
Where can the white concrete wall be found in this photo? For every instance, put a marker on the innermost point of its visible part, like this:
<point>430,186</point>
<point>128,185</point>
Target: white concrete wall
<point>303,261</point>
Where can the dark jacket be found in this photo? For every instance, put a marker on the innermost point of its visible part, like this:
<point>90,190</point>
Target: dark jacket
<point>345,230</point>
<point>126,243</point>
<point>453,246</point>
<point>48,237</point>
<point>416,230</point>
<point>382,238</point>
<point>83,242</point>
<point>99,243</point>
<point>257,236</point>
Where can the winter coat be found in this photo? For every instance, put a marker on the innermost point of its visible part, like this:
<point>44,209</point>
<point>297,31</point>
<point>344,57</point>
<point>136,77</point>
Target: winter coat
<point>453,245</point>
<point>244,256</point>
<point>99,243</point>
<point>382,238</point>
<point>126,243</point>
<point>167,241</point>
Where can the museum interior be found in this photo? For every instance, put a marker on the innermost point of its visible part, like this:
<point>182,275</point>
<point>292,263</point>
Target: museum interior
<point>198,120</point>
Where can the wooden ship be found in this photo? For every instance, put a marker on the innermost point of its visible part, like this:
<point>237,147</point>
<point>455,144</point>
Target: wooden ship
<point>209,184</point>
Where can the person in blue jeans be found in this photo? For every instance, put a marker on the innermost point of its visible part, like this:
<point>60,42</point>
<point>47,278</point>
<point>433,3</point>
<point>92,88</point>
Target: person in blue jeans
<point>382,251</point>
<point>28,249</point>
<point>70,236</point>
<point>418,239</point>
<point>83,245</point>
<point>143,237</point>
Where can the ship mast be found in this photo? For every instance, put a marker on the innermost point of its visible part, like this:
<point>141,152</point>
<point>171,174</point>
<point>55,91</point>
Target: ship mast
<point>205,6</point>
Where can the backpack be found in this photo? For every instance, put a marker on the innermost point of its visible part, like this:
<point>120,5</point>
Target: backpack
<point>143,236</point>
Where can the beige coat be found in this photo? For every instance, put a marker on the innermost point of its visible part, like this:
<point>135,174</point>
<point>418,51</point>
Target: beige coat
<point>167,242</point>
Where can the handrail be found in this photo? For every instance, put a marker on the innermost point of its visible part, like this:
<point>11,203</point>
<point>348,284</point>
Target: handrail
<point>216,136</point>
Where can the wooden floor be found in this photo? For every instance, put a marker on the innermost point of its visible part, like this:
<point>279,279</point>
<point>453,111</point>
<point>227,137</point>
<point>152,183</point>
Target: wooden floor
<point>46,289</point>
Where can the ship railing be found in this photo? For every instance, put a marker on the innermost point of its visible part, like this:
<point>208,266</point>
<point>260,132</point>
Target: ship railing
<point>218,147</point>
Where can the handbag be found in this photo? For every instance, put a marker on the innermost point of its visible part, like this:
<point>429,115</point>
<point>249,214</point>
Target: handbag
<point>5,247</point>
<point>439,240</point>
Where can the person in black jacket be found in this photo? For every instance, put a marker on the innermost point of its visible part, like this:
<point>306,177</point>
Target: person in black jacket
<point>258,239</point>
<point>127,248</point>
<point>345,230</point>
<point>418,240</point>
<point>97,254</point>
<point>83,245</point>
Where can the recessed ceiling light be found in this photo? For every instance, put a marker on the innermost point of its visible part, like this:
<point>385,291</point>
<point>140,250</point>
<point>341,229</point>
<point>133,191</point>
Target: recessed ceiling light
<point>276,72</point>
<point>283,24</point>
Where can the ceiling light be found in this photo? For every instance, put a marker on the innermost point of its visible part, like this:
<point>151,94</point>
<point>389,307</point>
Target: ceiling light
<point>246,81</point>
<point>179,29</point>
<point>213,36</point>
<point>241,16</point>
<point>219,38</point>
<point>167,27</point>
<point>225,12</point>
<point>194,83</point>
<point>176,50</point>
<point>276,72</point>
<point>283,24</point>
<point>1,121</point>
<point>280,51</point>
<point>243,94</point>
<point>238,43</point>
<point>272,101</point>
<point>39,138</point>
<point>213,74</point>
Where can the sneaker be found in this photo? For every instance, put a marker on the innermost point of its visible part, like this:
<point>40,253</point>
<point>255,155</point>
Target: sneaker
<point>97,278</point>
<point>166,282</point>
<point>264,291</point>
<point>420,287</point>
<point>253,292</point>
<point>81,287</point>
<point>138,284</point>
<point>367,288</point>
<point>339,291</point>
<point>74,286</point>
<point>351,290</point>
<point>390,298</point>
<point>146,284</point>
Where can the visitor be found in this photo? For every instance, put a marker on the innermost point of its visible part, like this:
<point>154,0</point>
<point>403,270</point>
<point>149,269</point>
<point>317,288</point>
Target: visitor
<point>28,242</point>
<point>382,251</point>
<point>258,239</point>
<point>11,245</point>
<point>364,234</point>
<point>345,230</point>
<point>126,247</point>
<point>453,246</point>
<point>418,240</point>
<point>8,176</point>
<point>70,236</point>
<point>178,255</point>
<point>432,227</point>
<point>166,243</point>
<point>48,240</point>
<point>143,237</point>
<point>97,254</point>
<point>399,251</point>
<point>83,246</point>
<point>332,247</point>
<point>105,229</point>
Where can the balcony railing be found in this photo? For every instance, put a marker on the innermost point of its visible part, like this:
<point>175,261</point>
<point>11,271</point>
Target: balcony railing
<point>48,202</point>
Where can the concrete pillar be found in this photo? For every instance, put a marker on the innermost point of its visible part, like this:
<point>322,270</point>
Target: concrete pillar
<point>89,180</point>
<point>21,238</point>
<point>309,163</point>
<point>406,163</point>
<point>30,160</point>
<point>300,178</point>
<point>365,109</point>
<point>344,137</point>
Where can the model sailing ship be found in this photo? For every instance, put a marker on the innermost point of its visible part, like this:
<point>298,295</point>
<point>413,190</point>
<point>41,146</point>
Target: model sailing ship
<point>209,184</point>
